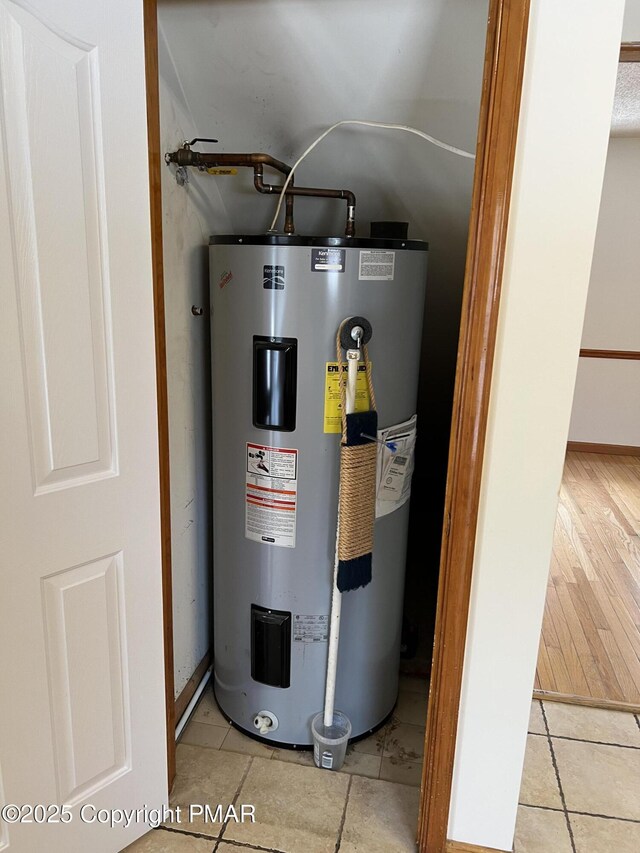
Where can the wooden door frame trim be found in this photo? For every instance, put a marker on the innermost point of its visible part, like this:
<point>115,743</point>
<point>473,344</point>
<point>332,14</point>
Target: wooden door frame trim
<point>150,16</point>
<point>495,157</point>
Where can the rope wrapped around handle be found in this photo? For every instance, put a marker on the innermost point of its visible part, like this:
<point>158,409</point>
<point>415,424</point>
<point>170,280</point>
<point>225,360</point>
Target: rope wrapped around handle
<point>357,495</point>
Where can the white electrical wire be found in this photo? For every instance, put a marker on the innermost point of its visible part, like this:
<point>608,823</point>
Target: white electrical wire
<point>380,124</point>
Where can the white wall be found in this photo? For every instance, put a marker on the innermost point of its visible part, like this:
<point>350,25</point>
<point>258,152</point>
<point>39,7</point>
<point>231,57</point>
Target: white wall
<point>559,168</point>
<point>606,402</point>
<point>188,379</point>
<point>631,22</point>
<point>606,405</point>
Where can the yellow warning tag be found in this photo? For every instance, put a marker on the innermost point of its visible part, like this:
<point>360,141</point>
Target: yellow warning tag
<point>332,414</point>
<point>221,170</point>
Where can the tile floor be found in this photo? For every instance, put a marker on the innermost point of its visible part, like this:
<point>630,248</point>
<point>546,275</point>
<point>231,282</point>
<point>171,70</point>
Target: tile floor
<point>393,753</point>
<point>581,783</point>
<point>580,789</point>
<point>369,806</point>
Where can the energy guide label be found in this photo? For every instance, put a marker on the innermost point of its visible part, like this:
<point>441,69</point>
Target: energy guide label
<point>310,629</point>
<point>332,404</point>
<point>271,495</point>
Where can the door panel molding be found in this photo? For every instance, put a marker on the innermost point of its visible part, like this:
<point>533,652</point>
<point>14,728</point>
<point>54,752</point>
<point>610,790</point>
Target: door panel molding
<point>86,640</point>
<point>51,121</point>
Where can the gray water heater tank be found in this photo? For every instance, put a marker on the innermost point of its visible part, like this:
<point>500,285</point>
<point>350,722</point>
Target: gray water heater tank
<point>276,305</point>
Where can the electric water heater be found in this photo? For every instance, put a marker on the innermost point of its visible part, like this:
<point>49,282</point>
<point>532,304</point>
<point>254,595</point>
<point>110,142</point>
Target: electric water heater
<point>276,305</point>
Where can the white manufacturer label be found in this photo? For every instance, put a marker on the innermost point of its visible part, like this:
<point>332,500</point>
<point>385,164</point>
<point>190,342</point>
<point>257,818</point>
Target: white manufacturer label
<point>271,495</point>
<point>310,629</point>
<point>376,265</point>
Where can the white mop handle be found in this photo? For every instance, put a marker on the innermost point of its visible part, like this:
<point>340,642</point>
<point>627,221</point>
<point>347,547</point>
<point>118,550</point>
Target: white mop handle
<point>353,360</point>
<point>336,595</point>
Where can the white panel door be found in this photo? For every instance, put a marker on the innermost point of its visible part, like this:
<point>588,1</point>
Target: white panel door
<point>81,649</point>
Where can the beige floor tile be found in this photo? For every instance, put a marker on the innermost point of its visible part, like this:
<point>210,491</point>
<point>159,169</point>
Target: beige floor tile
<point>411,708</point>
<point>207,710</point>
<point>414,685</point>
<point>382,817</point>
<point>205,776</point>
<point>297,808</point>
<point>160,841</point>
<point>372,745</point>
<point>536,722</point>
<point>598,835</point>
<point>595,724</point>
<point>599,779</point>
<point>200,734</point>
<point>294,756</point>
<point>235,741</point>
<point>539,785</point>
<point>541,831</point>
<point>406,772</point>
<point>361,763</point>
<point>233,848</point>
<point>404,742</point>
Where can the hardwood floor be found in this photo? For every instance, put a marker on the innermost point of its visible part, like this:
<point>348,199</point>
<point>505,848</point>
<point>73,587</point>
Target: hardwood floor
<point>590,643</point>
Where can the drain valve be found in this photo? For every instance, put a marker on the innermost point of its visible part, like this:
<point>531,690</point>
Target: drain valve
<point>265,722</point>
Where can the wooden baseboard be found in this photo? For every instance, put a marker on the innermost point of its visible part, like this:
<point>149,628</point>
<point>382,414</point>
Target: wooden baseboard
<point>587,701</point>
<point>624,354</point>
<point>462,847</point>
<point>594,447</point>
<point>191,686</point>
<point>630,51</point>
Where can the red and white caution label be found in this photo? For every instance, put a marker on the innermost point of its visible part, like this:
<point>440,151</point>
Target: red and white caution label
<point>272,495</point>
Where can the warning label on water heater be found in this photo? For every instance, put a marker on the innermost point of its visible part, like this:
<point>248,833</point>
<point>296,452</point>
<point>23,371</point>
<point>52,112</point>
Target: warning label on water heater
<point>376,265</point>
<point>271,495</point>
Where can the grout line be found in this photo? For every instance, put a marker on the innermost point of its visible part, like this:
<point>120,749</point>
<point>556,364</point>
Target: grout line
<point>243,845</point>
<point>344,815</point>
<point>557,772</point>
<point>597,742</point>
<point>225,737</point>
<point>584,814</point>
<point>380,766</point>
<point>604,816</point>
<point>188,832</point>
<point>237,793</point>
<point>544,808</point>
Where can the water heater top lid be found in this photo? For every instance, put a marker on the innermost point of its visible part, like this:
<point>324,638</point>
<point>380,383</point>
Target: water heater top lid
<point>296,240</point>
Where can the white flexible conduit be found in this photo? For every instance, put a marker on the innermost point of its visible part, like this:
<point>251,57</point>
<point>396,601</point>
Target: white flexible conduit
<point>336,595</point>
<point>380,124</point>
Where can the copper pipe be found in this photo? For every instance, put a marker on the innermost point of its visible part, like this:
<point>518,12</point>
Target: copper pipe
<point>210,159</point>
<point>205,160</point>
<point>314,192</point>
<point>258,173</point>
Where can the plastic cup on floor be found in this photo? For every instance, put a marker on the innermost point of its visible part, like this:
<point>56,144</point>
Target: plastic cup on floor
<point>330,742</point>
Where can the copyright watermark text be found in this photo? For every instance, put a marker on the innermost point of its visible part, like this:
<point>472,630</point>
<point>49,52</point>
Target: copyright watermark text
<point>152,817</point>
